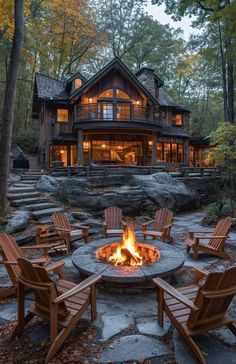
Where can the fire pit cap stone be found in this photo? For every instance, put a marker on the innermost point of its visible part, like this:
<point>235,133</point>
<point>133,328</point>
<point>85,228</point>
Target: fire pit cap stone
<point>84,259</point>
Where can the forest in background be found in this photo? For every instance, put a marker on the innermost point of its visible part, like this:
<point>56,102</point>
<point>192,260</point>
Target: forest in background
<point>63,36</point>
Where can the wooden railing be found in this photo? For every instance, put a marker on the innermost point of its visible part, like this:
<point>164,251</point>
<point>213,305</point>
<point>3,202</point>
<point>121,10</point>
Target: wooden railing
<point>105,111</point>
<point>111,170</point>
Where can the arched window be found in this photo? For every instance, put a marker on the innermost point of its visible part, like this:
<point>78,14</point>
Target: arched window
<point>122,95</point>
<point>107,94</point>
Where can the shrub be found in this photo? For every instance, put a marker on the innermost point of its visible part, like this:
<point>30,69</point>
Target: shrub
<point>213,212</point>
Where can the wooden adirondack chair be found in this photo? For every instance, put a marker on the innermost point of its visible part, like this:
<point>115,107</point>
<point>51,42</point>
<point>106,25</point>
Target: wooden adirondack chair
<point>48,235</point>
<point>67,231</point>
<point>215,243</point>
<point>62,303</point>
<point>196,309</point>
<point>113,224</point>
<point>10,252</point>
<point>159,227</point>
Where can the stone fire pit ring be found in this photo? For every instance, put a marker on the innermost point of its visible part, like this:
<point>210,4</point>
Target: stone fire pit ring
<point>84,259</point>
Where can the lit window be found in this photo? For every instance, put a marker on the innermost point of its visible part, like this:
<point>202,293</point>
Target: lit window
<point>107,94</point>
<point>177,119</point>
<point>121,94</point>
<point>62,115</point>
<point>78,83</point>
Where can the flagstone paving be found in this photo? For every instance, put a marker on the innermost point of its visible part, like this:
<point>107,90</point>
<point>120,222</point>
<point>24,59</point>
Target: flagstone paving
<point>126,329</point>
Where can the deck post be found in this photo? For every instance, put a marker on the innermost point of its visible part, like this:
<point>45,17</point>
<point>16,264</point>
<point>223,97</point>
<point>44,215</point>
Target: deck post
<point>154,148</point>
<point>80,151</point>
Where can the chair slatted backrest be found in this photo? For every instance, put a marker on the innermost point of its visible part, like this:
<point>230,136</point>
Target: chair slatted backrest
<point>221,229</point>
<point>44,289</point>
<point>60,221</point>
<point>163,217</point>
<point>113,217</point>
<point>213,298</point>
<point>10,252</point>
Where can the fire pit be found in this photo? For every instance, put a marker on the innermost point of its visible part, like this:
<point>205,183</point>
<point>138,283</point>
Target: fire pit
<point>158,260</point>
<point>128,252</point>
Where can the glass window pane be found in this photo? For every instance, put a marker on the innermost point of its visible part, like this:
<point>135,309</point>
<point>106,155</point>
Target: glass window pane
<point>174,153</point>
<point>159,152</point>
<point>121,94</point>
<point>62,115</point>
<point>107,93</point>
<point>167,152</point>
<point>177,119</point>
<point>123,111</point>
<point>107,111</point>
<point>78,83</point>
<point>180,153</point>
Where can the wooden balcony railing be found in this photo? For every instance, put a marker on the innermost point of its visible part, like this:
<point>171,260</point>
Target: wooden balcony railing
<point>105,111</point>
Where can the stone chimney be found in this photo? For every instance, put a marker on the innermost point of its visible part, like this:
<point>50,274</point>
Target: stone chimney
<point>147,78</point>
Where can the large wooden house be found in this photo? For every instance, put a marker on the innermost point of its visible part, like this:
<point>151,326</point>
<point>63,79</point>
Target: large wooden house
<point>115,117</point>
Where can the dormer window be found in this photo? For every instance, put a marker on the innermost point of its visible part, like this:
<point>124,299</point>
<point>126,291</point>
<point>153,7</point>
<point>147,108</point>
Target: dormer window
<point>62,115</point>
<point>78,83</point>
<point>177,120</point>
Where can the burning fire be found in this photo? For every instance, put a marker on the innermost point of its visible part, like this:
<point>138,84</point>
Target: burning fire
<point>126,253</point>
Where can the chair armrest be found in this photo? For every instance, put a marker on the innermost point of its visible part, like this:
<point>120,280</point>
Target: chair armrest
<point>160,283</point>
<point>124,223</point>
<point>90,281</point>
<point>147,223</point>
<point>212,237</point>
<point>40,246</point>
<point>55,265</point>
<point>104,224</point>
<point>166,227</point>
<point>200,274</point>
<point>201,232</point>
<point>62,229</point>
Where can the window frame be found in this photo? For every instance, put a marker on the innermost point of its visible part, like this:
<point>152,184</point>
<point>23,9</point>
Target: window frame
<point>174,120</point>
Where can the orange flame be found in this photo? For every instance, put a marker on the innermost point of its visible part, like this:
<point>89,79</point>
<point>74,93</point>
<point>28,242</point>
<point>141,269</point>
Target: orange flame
<point>126,253</point>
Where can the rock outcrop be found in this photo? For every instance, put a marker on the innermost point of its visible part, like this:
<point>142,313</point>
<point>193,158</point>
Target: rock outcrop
<point>134,194</point>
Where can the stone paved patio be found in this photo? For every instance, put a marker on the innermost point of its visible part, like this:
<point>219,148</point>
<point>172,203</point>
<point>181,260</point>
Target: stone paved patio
<point>126,329</point>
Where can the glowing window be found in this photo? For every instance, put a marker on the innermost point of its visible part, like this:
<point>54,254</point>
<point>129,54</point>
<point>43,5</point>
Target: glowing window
<point>121,94</point>
<point>78,83</point>
<point>62,115</point>
<point>177,119</point>
<point>107,94</point>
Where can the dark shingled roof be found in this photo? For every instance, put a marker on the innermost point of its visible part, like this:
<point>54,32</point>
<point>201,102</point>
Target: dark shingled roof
<point>174,131</point>
<point>165,100</point>
<point>50,88</point>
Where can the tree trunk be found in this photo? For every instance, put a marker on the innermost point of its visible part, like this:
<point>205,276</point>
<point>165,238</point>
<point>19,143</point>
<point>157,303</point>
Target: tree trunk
<point>223,72</point>
<point>9,99</point>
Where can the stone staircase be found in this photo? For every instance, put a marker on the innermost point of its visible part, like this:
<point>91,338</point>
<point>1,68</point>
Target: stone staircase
<point>25,196</point>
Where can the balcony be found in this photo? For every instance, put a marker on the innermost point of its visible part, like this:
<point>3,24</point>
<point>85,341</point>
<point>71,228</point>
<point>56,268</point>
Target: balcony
<point>125,112</point>
<point>61,130</point>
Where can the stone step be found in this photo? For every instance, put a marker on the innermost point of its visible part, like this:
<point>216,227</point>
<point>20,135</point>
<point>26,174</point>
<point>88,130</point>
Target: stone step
<point>17,196</point>
<point>23,184</point>
<point>34,173</point>
<point>28,201</point>
<point>29,183</point>
<point>21,189</point>
<point>47,212</point>
<point>41,206</point>
<point>30,177</point>
<point>45,220</point>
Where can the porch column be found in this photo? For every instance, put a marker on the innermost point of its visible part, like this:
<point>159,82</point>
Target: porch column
<point>80,150</point>
<point>186,151</point>
<point>154,148</point>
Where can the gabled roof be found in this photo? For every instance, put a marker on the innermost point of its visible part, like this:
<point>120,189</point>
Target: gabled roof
<point>76,75</point>
<point>50,88</point>
<point>118,64</point>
